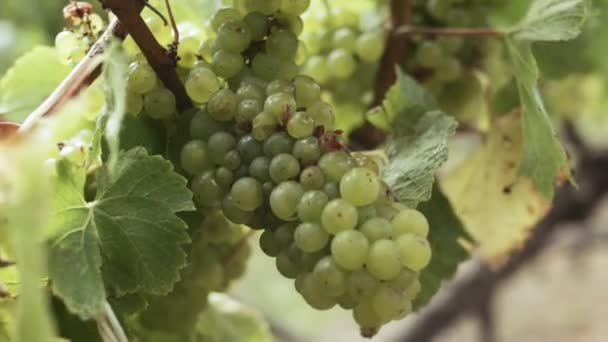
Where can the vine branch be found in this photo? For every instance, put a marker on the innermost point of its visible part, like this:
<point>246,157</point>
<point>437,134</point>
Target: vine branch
<point>158,57</point>
<point>449,31</point>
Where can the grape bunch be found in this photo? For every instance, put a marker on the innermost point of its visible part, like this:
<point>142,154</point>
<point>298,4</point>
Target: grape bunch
<point>81,32</point>
<point>343,56</point>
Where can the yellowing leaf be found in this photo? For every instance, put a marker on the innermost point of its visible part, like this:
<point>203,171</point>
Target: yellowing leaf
<point>498,206</point>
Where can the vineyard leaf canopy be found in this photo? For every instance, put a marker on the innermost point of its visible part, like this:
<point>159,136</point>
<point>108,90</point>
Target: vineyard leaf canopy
<point>128,239</point>
<point>419,144</point>
<point>497,206</point>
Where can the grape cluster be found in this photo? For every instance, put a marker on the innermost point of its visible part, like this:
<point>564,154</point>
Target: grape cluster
<point>342,56</point>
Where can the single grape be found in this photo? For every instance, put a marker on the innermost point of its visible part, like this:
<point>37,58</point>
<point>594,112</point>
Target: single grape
<point>232,161</point>
<point>429,54</point>
<point>329,277</point>
<point>317,68</point>
<point>307,91</point>
<point>65,43</point>
<point>413,290</point>
<point>222,15</point>
<point>284,200</point>
<point>141,78</point>
<point>207,192</point>
<point>311,206</point>
<point>251,92</point>
<point>383,260</point>
<point>332,190</point>
<point>247,110</point>
<point>203,126</point>
<point>349,249</point>
<point>307,150</point>
<point>339,215</point>
<point>300,125</point>
<point>323,115</point>
<point>281,106</point>
<point>312,178</point>
<point>294,24</point>
<point>376,228</point>
<point>234,36</point>
<point>222,106</point>
<point>283,44</point>
<point>284,235</point>
<point>344,38</point>
<point>336,164</point>
<point>370,46</point>
<point>450,69</point>
<point>280,86</point>
<point>357,179</point>
<point>233,212</point>
<point>347,302</point>
<point>194,157</point>
<point>269,244</point>
<point>389,303</point>
<point>414,250</point>
<point>410,221</point>
<point>160,103</point>
<point>259,169</point>
<point>249,148</point>
<point>227,64</point>
<point>135,103</point>
<point>201,84</point>
<point>264,65</point>
<point>403,280</point>
<point>367,213</point>
<point>259,25</point>
<point>224,177</point>
<point>278,143</point>
<point>294,7</point>
<point>286,266</point>
<point>219,144</point>
<point>341,63</point>
<point>284,167</point>
<point>288,69</point>
<point>310,237</point>
<point>315,295</point>
<point>266,7</point>
<point>361,284</point>
<point>367,318</point>
<point>247,193</point>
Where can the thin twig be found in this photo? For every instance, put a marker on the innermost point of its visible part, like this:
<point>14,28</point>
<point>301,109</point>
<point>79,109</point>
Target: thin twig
<point>109,327</point>
<point>173,23</point>
<point>487,324</point>
<point>449,31</point>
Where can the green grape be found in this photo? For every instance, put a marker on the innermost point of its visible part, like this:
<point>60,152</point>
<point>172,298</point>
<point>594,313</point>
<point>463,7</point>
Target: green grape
<point>194,157</point>
<point>251,92</point>
<point>135,103</point>
<point>308,261</point>
<point>332,190</point>
<point>450,69</point>
<point>207,192</point>
<point>307,150</point>
<point>219,144</point>
<point>249,148</point>
<point>349,249</point>
<point>439,9</point>
<point>323,115</point>
<point>383,260</point>
<point>347,302</point>
<point>278,143</point>
<point>283,44</point>
<point>188,49</point>
<point>269,244</point>
<point>141,78</point>
<point>403,280</point>
<point>284,235</point>
<point>367,318</point>
<point>367,213</point>
<point>376,228</point>
<point>201,84</point>
<point>241,171</point>
<point>234,36</point>
<point>341,63</point>
<point>284,200</point>
<point>451,44</point>
<point>65,43</point>
<point>429,54</point>
<point>288,69</point>
<point>227,64</point>
<point>266,7</point>
<point>413,290</point>
<point>356,179</point>
<point>280,105</point>
<point>207,49</point>
<point>388,303</point>
<point>232,161</point>
<point>233,212</point>
<point>258,24</point>
<point>314,295</point>
<point>329,277</point>
<point>307,91</point>
<point>311,206</point>
<point>247,193</point>
<point>339,215</point>
<point>370,46</point>
<point>284,167</point>
<point>312,178</point>
<point>410,221</point>
<point>247,110</point>
<point>293,24</point>
<point>223,15</point>
<point>317,68</point>
<point>201,63</point>
<point>313,41</point>
<point>301,55</point>
<point>361,284</point>
<point>294,7</point>
<point>386,210</point>
<point>264,66</point>
<point>263,126</point>
<point>300,126</point>
<point>203,126</point>
<point>336,164</point>
<point>160,103</point>
<point>259,169</point>
<point>224,177</point>
<point>344,38</point>
<point>280,86</point>
<point>310,237</point>
<point>223,105</point>
<point>414,250</point>
<point>286,266</point>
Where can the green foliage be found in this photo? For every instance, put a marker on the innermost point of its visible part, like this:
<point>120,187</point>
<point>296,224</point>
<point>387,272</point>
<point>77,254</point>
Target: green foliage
<point>419,143</point>
<point>131,219</point>
<point>552,20</point>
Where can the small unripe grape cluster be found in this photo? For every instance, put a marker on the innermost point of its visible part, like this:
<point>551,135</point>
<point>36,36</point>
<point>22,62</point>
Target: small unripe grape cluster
<point>73,43</point>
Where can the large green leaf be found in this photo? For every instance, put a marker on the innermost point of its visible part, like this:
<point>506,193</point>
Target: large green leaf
<point>128,238</point>
<point>552,20</point>
<point>544,158</point>
<point>419,141</point>
<point>446,236</point>
<point>31,79</point>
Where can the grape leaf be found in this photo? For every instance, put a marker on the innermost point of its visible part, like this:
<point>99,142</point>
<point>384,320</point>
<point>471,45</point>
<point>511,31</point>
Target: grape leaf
<point>552,20</point>
<point>419,143</point>
<point>445,235</point>
<point>128,238</point>
<point>31,79</point>
<point>498,206</point>
<point>225,319</point>
<point>544,158</point>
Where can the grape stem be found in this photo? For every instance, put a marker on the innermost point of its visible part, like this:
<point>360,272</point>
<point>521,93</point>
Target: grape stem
<point>449,31</point>
<point>158,57</point>
<point>85,73</point>
<point>109,327</point>
<point>173,23</point>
